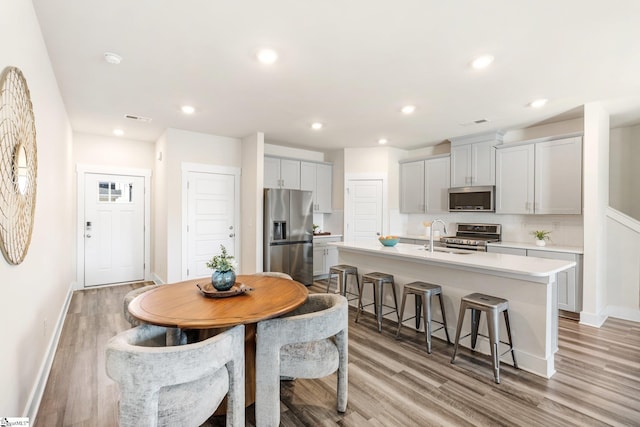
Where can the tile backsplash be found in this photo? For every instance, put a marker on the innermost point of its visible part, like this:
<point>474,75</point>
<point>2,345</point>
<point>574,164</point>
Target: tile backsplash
<point>566,230</point>
<point>333,222</point>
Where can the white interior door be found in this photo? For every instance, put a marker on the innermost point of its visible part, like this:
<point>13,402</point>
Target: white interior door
<point>113,229</point>
<point>210,219</point>
<point>365,206</point>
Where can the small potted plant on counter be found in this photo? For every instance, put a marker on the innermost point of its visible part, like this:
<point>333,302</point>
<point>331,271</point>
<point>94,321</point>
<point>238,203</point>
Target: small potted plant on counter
<point>541,237</point>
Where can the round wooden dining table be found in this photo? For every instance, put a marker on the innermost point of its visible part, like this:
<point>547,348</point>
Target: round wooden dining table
<point>182,305</point>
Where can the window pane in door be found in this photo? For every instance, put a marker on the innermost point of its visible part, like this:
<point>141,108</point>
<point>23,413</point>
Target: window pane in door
<point>115,192</point>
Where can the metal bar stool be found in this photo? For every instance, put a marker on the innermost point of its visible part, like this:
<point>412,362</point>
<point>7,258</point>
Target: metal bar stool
<point>478,303</point>
<point>377,280</point>
<point>342,272</point>
<point>422,293</point>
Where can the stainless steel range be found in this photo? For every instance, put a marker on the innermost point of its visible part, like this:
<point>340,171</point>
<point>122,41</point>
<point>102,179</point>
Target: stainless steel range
<point>473,236</point>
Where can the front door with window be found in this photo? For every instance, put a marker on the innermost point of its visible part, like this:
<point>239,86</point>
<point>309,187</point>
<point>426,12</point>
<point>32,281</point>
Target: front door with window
<point>113,229</point>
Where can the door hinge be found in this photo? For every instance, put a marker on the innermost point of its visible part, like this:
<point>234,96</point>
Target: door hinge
<point>187,228</point>
<point>187,185</point>
<point>187,272</point>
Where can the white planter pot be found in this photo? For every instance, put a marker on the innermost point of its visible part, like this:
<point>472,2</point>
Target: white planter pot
<point>540,242</point>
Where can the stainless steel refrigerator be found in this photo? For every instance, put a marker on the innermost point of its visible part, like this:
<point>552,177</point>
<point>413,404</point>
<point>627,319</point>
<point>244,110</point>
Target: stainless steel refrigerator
<point>288,233</point>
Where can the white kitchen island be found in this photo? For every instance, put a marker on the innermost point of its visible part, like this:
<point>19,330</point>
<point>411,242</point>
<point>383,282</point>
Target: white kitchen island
<point>528,283</point>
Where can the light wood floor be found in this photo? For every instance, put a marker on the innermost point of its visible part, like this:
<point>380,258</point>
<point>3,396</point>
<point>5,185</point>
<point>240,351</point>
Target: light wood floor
<point>391,382</point>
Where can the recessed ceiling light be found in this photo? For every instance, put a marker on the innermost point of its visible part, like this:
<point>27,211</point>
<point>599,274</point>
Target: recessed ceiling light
<point>118,132</point>
<point>112,58</point>
<point>408,109</point>
<point>538,103</point>
<point>188,109</point>
<point>382,141</point>
<point>316,126</point>
<point>267,56</point>
<point>482,62</point>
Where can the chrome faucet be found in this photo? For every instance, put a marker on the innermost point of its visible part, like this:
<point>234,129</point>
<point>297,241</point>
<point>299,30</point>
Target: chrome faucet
<point>444,226</point>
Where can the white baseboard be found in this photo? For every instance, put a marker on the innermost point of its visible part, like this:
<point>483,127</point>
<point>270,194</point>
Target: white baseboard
<point>33,403</point>
<point>156,279</point>
<point>592,319</point>
<point>624,313</point>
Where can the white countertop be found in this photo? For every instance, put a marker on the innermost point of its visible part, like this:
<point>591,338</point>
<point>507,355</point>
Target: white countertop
<point>549,247</point>
<point>490,262</point>
<point>327,236</point>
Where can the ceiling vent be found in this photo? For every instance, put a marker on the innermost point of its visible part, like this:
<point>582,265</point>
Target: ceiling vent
<point>137,118</point>
<point>474,122</point>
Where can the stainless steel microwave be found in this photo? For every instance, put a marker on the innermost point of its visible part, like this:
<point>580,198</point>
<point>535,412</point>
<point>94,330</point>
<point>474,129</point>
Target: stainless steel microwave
<point>472,199</point>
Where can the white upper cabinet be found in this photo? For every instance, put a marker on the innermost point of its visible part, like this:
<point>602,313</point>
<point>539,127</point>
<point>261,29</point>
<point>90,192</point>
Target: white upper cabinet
<point>271,172</point>
<point>324,187</point>
<point>412,187</point>
<point>473,159</point>
<point>558,177</point>
<point>281,173</point>
<point>424,185</point>
<point>540,177</point>
<point>317,177</point>
<point>437,179</point>
<point>514,179</point>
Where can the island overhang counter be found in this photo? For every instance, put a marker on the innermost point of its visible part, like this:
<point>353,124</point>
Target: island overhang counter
<point>528,283</point>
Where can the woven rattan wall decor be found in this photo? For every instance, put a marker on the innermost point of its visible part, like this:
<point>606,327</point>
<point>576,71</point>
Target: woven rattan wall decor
<point>18,165</point>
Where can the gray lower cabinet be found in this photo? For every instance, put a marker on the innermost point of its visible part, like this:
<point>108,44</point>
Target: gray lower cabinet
<point>569,281</point>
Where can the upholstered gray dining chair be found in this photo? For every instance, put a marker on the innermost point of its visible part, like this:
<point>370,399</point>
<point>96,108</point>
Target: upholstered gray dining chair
<point>180,385</point>
<point>309,342</point>
<point>129,297</point>
<point>174,335</point>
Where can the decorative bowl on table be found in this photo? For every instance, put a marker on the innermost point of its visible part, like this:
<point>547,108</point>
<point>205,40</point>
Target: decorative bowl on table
<point>388,240</point>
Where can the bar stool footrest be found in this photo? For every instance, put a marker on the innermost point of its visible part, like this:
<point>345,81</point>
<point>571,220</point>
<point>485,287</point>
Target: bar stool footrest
<point>485,336</point>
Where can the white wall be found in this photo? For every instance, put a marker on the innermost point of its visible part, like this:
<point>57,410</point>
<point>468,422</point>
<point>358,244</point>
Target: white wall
<point>112,151</point>
<point>622,266</point>
<point>252,201</point>
<point>34,293</point>
<point>337,191</point>
<point>159,205</point>
<point>541,131</point>
<point>596,199</point>
<point>442,148</point>
<point>184,146</point>
<point>295,153</point>
<point>624,173</point>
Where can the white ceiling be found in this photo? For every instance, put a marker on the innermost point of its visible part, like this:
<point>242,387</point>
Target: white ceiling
<point>351,64</point>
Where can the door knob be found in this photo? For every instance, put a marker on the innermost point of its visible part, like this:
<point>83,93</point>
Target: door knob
<point>232,235</point>
<point>88,236</point>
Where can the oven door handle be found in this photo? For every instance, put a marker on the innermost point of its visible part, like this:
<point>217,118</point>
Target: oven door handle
<point>467,247</point>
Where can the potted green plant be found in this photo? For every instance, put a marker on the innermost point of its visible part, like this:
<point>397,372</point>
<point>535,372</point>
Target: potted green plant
<point>223,266</point>
<point>541,236</point>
